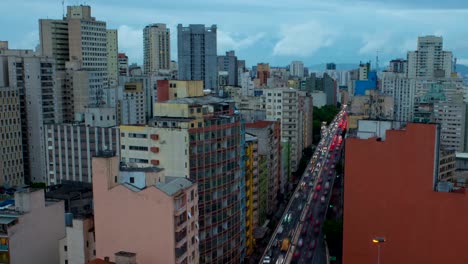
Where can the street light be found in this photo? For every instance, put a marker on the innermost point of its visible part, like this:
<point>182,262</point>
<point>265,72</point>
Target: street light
<point>378,241</point>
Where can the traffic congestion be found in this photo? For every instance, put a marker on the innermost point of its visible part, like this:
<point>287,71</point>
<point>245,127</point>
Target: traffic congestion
<point>298,234</point>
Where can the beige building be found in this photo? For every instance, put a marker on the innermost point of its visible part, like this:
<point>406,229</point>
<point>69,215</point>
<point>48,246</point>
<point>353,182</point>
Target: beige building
<point>126,214</point>
<point>373,105</point>
<point>430,60</point>
<point>132,106</point>
<point>112,56</point>
<point>30,229</point>
<point>173,89</point>
<point>53,35</point>
<point>11,150</point>
<point>156,48</point>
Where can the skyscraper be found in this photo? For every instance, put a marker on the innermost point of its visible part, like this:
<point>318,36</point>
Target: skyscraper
<point>429,60</point>
<point>112,56</point>
<point>197,58</point>
<point>228,63</point>
<point>156,48</point>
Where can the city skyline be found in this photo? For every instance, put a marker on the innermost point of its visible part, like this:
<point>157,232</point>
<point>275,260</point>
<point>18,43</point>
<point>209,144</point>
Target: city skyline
<point>274,32</point>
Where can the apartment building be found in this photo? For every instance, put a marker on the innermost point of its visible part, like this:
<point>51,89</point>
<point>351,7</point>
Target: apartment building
<point>132,105</point>
<point>11,150</point>
<point>39,101</point>
<point>452,119</point>
<point>228,63</point>
<point>156,48</point>
<point>125,214</point>
<point>200,138</point>
<point>402,89</point>
<point>123,64</point>
<point>429,60</point>
<point>30,228</point>
<point>70,148</point>
<point>173,89</point>
<point>78,245</point>
<point>296,68</point>
<point>263,73</point>
<point>112,56</point>
<point>268,134</point>
<point>291,107</point>
<point>251,191</point>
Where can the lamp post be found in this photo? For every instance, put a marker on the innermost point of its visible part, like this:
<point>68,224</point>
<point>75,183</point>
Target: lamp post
<point>378,241</point>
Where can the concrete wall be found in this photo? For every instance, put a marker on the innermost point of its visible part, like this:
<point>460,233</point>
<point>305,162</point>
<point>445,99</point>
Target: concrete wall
<point>79,242</point>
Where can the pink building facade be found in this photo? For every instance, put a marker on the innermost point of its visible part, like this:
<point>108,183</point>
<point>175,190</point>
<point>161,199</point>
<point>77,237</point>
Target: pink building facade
<point>159,222</point>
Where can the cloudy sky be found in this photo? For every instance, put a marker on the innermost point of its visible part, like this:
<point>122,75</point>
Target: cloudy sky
<point>274,31</point>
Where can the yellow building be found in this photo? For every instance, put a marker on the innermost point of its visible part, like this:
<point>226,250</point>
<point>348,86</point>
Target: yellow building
<point>251,191</point>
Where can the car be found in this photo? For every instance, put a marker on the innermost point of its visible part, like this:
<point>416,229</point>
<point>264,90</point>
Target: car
<point>300,243</point>
<point>327,185</point>
<point>280,259</point>
<point>316,230</point>
<point>333,166</point>
<point>297,254</point>
<point>318,188</point>
<point>320,180</point>
<point>330,172</point>
<point>267,259</point>
<point>309,255</point>
<point>312,244</point>
<point>322,199</point>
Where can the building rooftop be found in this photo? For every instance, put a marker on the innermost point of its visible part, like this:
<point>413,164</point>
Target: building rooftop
<point>259,124</point>
<point>461,155</point>
<point>140,169</point>
<point>173,185</point>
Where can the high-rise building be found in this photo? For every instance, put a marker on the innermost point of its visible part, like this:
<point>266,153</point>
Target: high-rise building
<point>112,56</point>
<point>123,64</point>
<point>197,57</point>
<point>452,118</point>
<point>11,150</point>
<point>402,89</point>
<point>402,172</point>
<point>293,108</point>
<point>132,105</point>
<point>71,147</point>
<point>430,60</point>
<point>268,134</point>
<point>156,48</point>
<point>296,68</point>
<point>81,40</point>
<point>330,66</point>
<point>251,191</point>
<point>39,100</point>
<point>143,211</point>
<point>229,64</point>
<point>200,138</point>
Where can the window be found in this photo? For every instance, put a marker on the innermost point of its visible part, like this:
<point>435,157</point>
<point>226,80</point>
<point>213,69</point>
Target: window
<point>65,248</point>
<point>115,180</point>
<point>132,179</point>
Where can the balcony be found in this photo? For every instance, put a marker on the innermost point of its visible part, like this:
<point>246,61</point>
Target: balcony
<point>181,238</point>
<point>181,253</point>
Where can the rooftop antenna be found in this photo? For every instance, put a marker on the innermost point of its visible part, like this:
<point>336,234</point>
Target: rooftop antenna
<point>455,64</point>
<point>63,8</point>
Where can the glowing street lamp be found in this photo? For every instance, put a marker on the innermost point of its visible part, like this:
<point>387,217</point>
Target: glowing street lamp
<point>378,241</point>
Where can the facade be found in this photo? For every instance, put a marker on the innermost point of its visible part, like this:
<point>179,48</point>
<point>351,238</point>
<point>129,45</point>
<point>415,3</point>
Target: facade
<point>294,109</point>
<point>112,56</point>
<point>402,89</point>
<point>181,139</point>
<point>100,117</point>
<point>11,150</point>
<point>373,105</point>
<point>228,63</point>
<point>430,60</point>
<point>268,134</point>
<point>173,89</point>
<point>39,101</point>
<point>170,202</point>
<point>30,218</point>
<point>197,57</point>
<point>263,73</point>
<point>398,66</point>
<point>319,98</point>
<point>70,149</point>
<point>54,41</point>
<point>296,68</point>
<point>156,48</point>
<point>78,246</point>
<point>123,64</point>
<point>251,191</point>
<point>402,172</point>
<point>452,119</point>
<point>132,105</point>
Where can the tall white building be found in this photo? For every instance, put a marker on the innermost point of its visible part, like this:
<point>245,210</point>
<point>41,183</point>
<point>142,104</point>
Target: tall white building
<point>296,68</point>
<point>452,119</point>
<point>430,60</point>
<point>402,89</point>
<point>156,48</point>
<point>294,109</point>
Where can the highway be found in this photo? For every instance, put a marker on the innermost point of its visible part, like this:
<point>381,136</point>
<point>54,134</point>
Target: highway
<point>302,220</point>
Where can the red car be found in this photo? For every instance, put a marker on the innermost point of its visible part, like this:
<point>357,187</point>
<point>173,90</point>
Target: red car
<point>317,222</point>
<point>315,197</point>
<point>297,254</point>
<point>318,188</point>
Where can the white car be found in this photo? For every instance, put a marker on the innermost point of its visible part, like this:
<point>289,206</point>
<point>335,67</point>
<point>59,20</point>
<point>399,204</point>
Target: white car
<point>267,259</point>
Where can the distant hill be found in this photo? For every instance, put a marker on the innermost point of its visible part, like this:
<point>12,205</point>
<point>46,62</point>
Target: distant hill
<point>462,69</point>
